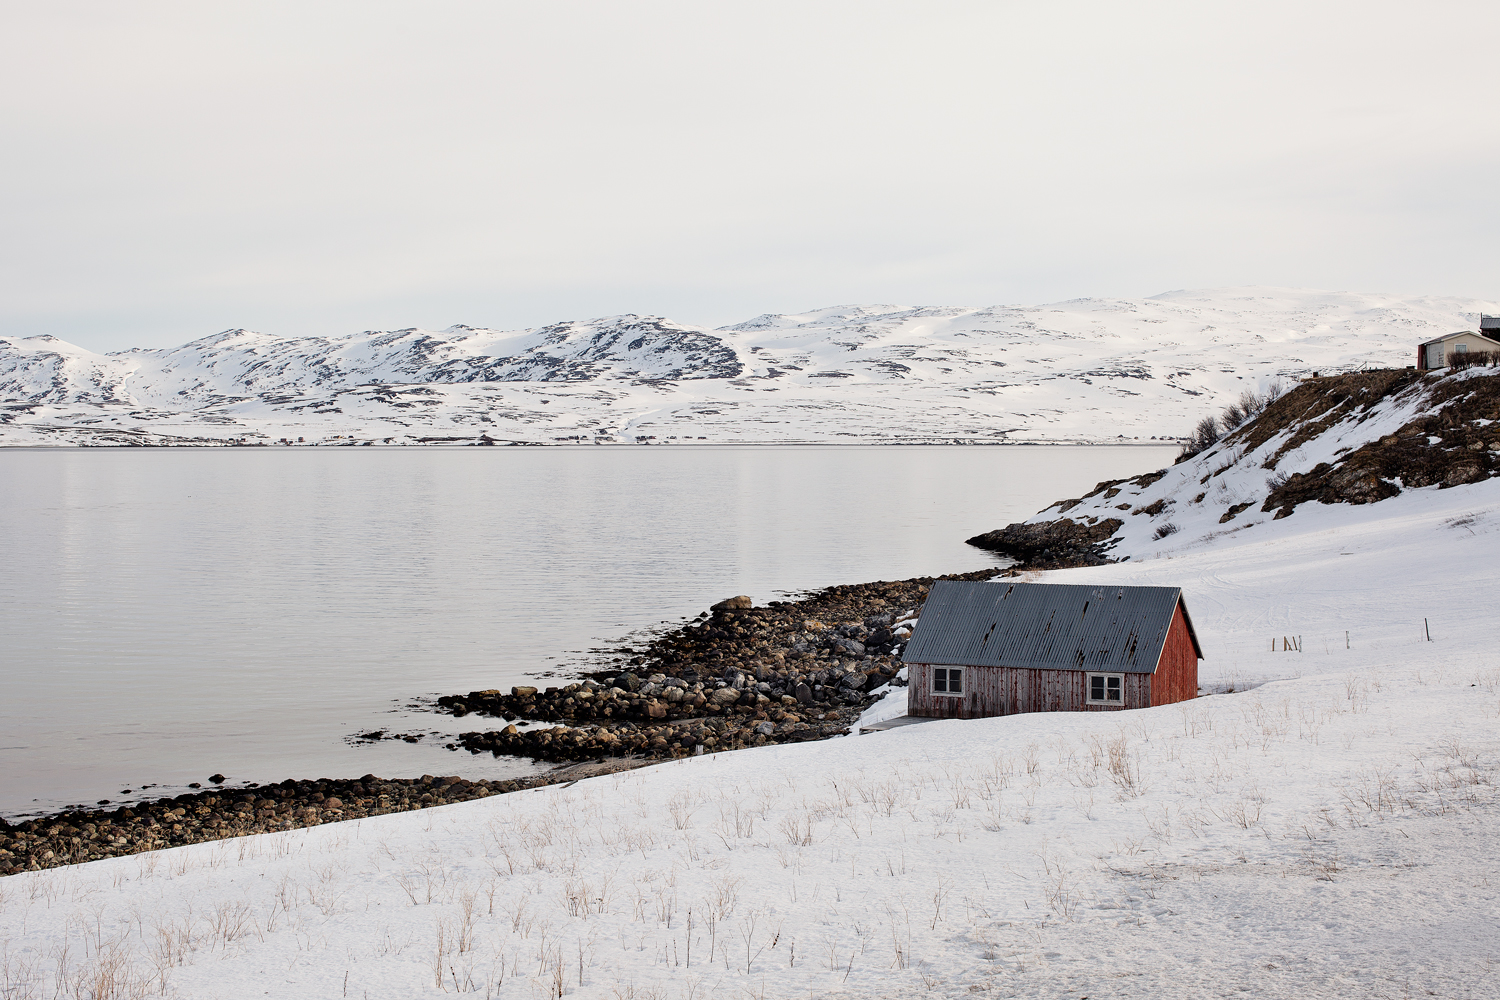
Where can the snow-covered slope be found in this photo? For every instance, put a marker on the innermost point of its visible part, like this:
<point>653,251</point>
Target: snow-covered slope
<point>1086,370</point>
<point>1327,833</point>
<point>1355,439</point>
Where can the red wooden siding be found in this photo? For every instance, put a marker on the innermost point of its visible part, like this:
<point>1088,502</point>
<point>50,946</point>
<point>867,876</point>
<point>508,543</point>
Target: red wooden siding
<point>991,691</point>
<point>1176,677</point>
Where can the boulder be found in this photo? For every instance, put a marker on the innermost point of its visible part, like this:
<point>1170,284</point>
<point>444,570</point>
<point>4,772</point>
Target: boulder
<point>848,647</point>
<point>523,692</point>
<point>804,694</point>
<point>724,696</point>
<point>740,603</point>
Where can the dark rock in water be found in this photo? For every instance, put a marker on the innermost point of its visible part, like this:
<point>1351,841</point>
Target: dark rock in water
<point>740,603</point>
<point>217,779</point>
<point>628,682</point>
<point>1052,544</point>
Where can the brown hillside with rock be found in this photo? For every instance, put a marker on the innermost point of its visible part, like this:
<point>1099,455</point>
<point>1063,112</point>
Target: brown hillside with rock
<point>1456,442</point>
<point>1450,437</point>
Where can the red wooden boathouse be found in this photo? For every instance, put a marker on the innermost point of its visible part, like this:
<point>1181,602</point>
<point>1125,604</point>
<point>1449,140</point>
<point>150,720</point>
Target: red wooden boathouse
<point>983,649</point>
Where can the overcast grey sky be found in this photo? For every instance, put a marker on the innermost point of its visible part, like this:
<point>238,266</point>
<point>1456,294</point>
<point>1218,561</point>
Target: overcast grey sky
<point>174,169</point>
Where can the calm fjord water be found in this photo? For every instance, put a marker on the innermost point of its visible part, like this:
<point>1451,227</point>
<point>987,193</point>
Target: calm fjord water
<point>167,614</point>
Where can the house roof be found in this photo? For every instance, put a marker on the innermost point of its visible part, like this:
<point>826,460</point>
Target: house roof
<point>1461,333</point>
<point>1046,626</point>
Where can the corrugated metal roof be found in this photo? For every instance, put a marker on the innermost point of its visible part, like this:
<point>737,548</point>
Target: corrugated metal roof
<point>1048,626</point>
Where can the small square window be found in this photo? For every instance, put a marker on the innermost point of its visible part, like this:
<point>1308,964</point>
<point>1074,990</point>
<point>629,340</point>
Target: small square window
<point>948,680</point>
<point>1106,689</point>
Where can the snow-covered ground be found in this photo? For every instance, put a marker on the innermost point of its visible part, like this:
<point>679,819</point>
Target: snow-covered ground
<point>1327,829</point>
<point>1095,370</point>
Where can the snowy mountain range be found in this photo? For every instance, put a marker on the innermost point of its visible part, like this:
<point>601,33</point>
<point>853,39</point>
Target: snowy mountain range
<point>1087,370</point>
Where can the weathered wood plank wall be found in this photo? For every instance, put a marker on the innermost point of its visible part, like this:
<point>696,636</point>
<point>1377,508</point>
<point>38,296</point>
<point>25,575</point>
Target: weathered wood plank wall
<point>990,691</point>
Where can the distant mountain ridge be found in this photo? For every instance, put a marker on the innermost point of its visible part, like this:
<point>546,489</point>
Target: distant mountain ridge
<point>1084,370</point>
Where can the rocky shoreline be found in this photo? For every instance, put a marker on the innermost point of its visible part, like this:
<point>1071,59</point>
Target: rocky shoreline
<point>76,836</point>
<point>737,676</point>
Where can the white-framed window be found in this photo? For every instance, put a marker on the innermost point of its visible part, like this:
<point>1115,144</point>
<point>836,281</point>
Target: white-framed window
<point>1106,689</point>
<point>1461,348</point>
<point>948,681</point>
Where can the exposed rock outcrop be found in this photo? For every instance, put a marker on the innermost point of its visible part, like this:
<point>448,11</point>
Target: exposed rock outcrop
<point>1052,544</point>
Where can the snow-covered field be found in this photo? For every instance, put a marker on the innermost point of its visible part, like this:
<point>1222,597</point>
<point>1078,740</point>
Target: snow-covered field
<point>1095,370</point>
<point>1327,829</point>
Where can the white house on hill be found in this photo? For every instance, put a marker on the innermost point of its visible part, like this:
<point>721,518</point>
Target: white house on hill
<point>1438,353</point>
